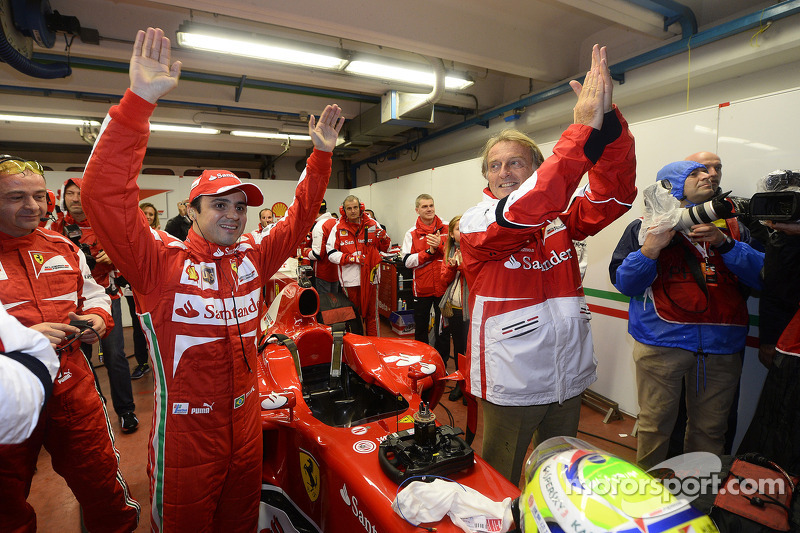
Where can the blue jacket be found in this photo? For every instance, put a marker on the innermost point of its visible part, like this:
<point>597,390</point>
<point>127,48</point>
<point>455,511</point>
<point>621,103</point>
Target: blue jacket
<point>632,273</point>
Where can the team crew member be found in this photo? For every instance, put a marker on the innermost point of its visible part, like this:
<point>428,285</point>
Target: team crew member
<point>355,244</point>
<point>423,251</point>
<point>113,345</point>
<point>326,274</point>
<point>45,283</point>
<point>530,354</point>
<point>199,302</point>
<point>266,218</point>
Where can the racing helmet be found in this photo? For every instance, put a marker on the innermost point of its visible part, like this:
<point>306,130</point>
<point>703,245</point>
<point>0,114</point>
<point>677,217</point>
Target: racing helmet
<point>571,485</point>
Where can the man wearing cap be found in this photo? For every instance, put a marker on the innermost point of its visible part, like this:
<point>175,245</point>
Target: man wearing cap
<point>326,274</point>
<point>199,303</point>
<point>687,317</point>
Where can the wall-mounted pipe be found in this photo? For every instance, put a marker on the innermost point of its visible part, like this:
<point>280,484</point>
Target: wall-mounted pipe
<point>775,12</point>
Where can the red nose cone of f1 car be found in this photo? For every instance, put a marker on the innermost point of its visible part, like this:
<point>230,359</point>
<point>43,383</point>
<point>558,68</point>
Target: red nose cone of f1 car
<point>344,427</point>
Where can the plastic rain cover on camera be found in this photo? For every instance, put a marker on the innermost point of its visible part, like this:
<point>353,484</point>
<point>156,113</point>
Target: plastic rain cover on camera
<point>779,181</point>
<point>573,486</point>
<point>662,211</point>
<point>422,503</point>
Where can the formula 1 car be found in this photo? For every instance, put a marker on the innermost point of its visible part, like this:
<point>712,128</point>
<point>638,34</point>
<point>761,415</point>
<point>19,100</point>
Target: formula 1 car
<point>347,420</point>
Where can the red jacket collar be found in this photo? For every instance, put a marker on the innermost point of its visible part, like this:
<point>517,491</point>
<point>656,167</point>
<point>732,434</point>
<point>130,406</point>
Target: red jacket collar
<point>209,250</point>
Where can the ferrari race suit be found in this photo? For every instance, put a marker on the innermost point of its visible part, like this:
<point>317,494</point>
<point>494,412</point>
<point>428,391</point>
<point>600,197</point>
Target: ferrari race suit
<point>427,269</point>
<point>530,341</point>
<point>199,305</point>
<point>113,345</point>
<point>43,277</point>
<point>355,248</point>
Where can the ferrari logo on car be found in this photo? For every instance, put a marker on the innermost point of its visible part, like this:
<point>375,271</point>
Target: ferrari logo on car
<point>309,470</point>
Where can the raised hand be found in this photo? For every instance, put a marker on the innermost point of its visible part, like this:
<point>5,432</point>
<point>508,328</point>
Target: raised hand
<point>325,131</point>
<point>594,95</point>
<point>151,74</point>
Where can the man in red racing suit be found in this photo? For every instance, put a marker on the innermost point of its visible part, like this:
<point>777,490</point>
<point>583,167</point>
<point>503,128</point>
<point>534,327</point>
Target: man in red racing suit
<point>198,302</point>
<point>355,243</point>
<point>45,283</point>
<point>530,345</point>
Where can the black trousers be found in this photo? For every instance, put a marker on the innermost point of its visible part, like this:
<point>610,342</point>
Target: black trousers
<point>422,313</point>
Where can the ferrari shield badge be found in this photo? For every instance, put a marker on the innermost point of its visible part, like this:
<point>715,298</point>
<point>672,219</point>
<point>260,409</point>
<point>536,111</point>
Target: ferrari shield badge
<point>309,470</point>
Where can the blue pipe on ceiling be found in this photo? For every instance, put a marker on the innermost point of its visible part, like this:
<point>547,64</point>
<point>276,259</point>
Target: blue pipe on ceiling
<point>672,12</point>
<point>775,12</point>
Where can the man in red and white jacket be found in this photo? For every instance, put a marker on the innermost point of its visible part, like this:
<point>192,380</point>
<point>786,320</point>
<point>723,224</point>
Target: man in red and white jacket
<point>530,345</point>
<point>423,251</point>
<point>199,303</point>
<point>326,274</point>
<point>45,283</point>
<point>354,244</point>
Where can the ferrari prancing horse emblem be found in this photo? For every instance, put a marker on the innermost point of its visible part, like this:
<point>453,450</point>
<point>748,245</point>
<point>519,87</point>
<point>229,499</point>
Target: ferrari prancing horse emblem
<point>309,470</point>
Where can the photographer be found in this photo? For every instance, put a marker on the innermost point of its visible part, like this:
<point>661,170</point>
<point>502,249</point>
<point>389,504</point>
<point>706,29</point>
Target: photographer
<point>775,429</point>
<point>687,315</point>
<point>78,228</point>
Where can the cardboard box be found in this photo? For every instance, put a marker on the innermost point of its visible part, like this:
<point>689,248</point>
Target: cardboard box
<point>402,322</point>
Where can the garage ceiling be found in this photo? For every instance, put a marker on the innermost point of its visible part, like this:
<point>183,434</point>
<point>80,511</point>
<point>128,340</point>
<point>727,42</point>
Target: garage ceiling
<point>509,49</point>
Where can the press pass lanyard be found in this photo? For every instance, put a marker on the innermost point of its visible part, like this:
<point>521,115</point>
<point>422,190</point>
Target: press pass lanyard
<point>709,271</point>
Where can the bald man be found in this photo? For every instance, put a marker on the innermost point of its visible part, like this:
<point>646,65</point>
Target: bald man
<point>713,167</point>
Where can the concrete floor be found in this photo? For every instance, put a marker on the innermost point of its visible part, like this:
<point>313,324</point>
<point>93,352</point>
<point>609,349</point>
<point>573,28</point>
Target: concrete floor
<point>57,510</point>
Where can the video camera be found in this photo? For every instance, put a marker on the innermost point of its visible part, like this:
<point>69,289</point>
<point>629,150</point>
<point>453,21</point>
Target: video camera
<point>775,203</point>
<point>74,233</point>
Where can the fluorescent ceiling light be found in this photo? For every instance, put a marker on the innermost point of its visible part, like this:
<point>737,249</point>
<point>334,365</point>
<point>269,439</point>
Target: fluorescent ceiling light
<point>250,45</point>
<point>267,135</point>
<point>183,129</point>
<point>213,39</point>
<point>404,74</point>
<point>49,120</point>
